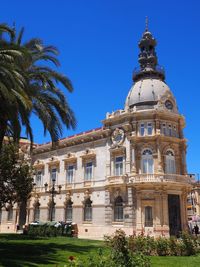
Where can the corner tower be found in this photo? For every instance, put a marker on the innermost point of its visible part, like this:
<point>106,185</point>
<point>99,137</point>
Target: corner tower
<point>153,149</point>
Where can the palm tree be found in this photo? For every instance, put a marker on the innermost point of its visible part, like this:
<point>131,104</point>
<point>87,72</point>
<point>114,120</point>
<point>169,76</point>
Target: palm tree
<point>39,84</point>
<point>15,103</point>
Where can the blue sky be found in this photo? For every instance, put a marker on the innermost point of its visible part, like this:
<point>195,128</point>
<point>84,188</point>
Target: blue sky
<point>98,41</point>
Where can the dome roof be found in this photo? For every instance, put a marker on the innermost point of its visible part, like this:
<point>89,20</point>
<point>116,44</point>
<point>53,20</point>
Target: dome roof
<point>147,91</point>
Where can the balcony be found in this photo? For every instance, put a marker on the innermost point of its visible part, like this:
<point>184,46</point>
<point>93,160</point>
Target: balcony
<point>161,178</point>
<point>117,179</point>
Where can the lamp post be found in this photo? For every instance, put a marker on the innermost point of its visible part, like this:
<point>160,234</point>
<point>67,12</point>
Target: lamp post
<point>53,192</point>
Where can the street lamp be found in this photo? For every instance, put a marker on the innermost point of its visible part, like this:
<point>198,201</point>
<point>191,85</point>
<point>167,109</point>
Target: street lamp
<point>53,192</point>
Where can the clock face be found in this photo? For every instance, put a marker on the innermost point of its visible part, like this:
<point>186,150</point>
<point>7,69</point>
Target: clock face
<point>169,105</point>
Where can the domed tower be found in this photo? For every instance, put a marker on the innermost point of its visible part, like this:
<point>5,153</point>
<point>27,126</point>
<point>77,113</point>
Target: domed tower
<point>153,147</point>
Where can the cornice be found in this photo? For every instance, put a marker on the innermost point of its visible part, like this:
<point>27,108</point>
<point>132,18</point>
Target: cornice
<point>84,137</point>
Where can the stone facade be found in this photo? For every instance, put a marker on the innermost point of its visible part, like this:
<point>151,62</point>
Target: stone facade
<point>130,173</point>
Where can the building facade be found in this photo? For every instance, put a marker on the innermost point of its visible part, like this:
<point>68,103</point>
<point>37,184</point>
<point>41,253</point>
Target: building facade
<point>130,173</point>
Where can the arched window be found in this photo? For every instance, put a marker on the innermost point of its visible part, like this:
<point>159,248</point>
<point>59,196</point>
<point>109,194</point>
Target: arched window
<point>37,212</point>
<point>52,211</point>
<point>147,161</point>
<point>118,209</point>
<point>88,210</point>
<point>170,163</point>
<point>68,211</point>
<point>148,217</point>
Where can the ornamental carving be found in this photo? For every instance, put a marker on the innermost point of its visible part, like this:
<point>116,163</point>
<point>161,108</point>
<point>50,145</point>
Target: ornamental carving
<point>117,137</point>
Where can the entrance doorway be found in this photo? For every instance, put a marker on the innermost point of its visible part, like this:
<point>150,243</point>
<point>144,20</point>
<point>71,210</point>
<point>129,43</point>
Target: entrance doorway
<point>174,215</point>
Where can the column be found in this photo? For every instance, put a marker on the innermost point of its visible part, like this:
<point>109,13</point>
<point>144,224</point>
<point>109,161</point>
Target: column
<point>128,163</point>
<point>139,227</point>
<point>160,167</point>
<point>165,213</point>
<point>183,210</point>
<point>108,208</point>
<point>158,211</point>
<point>133,161</point>
<point>128,212</point>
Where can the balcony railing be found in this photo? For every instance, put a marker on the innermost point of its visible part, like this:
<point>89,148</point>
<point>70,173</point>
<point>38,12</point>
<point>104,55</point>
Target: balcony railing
<point>159,178</point>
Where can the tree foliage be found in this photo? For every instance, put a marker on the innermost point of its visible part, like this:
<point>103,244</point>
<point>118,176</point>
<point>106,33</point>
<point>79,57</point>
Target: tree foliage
<point>16,180</point>
<point>28,84</point>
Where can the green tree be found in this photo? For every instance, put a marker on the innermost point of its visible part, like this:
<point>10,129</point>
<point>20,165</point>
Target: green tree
<point>16,179</point>
<point>15,103</point>
<point>41,87</point>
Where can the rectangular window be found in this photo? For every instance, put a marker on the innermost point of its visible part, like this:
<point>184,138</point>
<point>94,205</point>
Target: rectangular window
<point>170,130</point>
<point>175,131</point>
<point>142,129</point>
<point>88,171</point>
<point>68,213</point>
<point>148,217</point>
<point>164,129</point>
<point>118,166</point>
<point>70,174</point>
<point>149,128</point>
<point>37,213</point>
<point>38,179</point>
<point>10,214</point>
<point>53,174</point>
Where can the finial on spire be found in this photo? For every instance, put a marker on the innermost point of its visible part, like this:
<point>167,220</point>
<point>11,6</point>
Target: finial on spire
<point>146,24</point>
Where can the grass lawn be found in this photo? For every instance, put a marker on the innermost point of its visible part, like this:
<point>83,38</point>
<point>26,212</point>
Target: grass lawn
<point>19,250</point>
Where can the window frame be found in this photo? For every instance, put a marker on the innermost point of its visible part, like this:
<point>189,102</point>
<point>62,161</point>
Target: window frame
<point>69,211</point>
<point>147,162</point>
<point>119,166</point>
<point>87,210</point>
<point>148,216</point>
<point>88,171</point>
<point>118,209</point>
<point>70,173</point>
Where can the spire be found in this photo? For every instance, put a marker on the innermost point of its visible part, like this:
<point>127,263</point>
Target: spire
<point>146,24</point>
<point>147,57</point>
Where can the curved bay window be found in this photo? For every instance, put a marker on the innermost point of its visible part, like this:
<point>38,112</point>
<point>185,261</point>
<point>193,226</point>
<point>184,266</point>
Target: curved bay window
<point>88,210</point>
<point>68,211</point>
<point>147,161</point>
<point>148,217</point>
<point>118,209</point>
<point>170,164</point>
<point>37,212</point>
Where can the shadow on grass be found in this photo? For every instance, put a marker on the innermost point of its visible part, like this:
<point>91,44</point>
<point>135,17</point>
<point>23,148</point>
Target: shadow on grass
<point>37,253</point>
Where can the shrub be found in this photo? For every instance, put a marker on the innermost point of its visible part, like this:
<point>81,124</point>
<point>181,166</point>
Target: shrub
<point>163,246</point>
<point>123,251</point>
<point>189,244</point>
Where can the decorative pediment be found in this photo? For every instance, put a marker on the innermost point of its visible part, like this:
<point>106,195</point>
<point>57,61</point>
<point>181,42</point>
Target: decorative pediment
<point>53,162</point>
<point>38,164</point>
<point>70,159</point>
<point>120,150</point>
<point>89,154</point>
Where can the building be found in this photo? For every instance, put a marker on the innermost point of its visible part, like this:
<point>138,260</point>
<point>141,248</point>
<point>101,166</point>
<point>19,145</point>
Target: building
<point>130,173</point>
